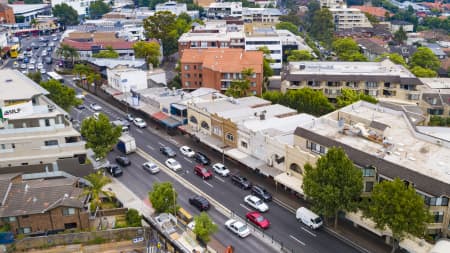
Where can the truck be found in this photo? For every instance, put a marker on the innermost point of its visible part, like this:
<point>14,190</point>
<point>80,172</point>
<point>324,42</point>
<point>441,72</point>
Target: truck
<point>308,217</point>
<point>126,144</point>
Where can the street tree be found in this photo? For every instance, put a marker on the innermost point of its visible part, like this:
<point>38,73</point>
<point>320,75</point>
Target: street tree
<point>299,55</point>
<point>109,53</point>
<point>425,58</point>
<point>267,60</point>
<point>163,198</point>
<point>204,227</point>
<point>394,57</point>
<point>400,35</point>
<point>150,51</point>
<point>82,69</point>
<point>35,76</point>
<point>423,72</point>
<point>322,26</point>
<point>334,184</point>
<point>97,9</point>
<point>307,100</point>
<point>66,14</point>
<point>347,50</point>
<point>287,26</point>
<point>163,26</point>
<point>398,207</point>
<point>100,135</point>
<point>240,87</point>
<point>62,95</point>
<point>133,218</point>
<point>95,190</point>
<point>349,96</point>
<point>67,52</point>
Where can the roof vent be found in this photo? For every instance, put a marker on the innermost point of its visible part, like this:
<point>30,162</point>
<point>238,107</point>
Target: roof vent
<point>8,81</point>
<point>66,195</point>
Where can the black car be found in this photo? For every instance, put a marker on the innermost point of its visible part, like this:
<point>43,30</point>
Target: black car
<point>123,160</point>
<point>199,202</point>
<point>114,170</point>
<point>81,107</point>
<point>202,158</point>
<point>241,182</point>
<point>261,193</point>
<point>167,151</point>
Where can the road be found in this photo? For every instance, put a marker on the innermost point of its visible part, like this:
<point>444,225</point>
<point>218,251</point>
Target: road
<point>284,226</point>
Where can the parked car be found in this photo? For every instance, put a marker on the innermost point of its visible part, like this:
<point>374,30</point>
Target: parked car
<point>23,66</point>
<point>129,117</point>
<point>31,66</point>
<point>167,151</point>
<point>32,61</point>
<point>173,164</point>
<point>308,217</point>
<point>139,123</point>
<point>15,64</point>
<point>201,203</point>
<point>48,60</point>
<point>95,107</point>
<point>241,182</point>
<point>43,71</point>
<point>257,219</point>
<point>221,169</point>
<point>26,60</point>
<point>187,151</point>
<point>80,107</point>
<point>238,227</point>
<point>114,170</point>
<point>123,160</point>
<point>256,203</point>
<point>80,96</point>
<point>202,172</point>
<point>96,115</point>
<point>202,158</point>
<point>261,193</point>
<point>40,66</point>
<point>151,167</point>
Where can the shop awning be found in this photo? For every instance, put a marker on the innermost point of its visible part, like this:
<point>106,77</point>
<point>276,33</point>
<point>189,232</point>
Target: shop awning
<point>269,171</point>
<point>248,160</point>
<point>159,116</point>
<point>292,182</point>
<point>171,122</point>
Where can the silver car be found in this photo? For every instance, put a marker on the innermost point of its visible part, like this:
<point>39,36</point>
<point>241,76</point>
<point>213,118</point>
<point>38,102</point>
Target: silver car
<point>151,167</point>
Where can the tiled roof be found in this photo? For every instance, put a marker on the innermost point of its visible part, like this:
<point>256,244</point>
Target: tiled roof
<point>87,46</point>
<point>375,11</point>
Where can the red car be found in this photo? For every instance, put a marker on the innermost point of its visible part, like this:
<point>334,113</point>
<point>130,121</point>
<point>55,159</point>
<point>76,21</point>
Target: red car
<point>202,172</point>
<point>258,219</point>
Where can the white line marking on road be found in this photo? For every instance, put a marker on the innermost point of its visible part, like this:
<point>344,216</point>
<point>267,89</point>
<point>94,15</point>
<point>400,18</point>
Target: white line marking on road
<point>297,240</point>
<point>139,131</point>
<point>174,141</point>
<point>162,145</point>
<point>246,208</point>
<point>150,147</point>
<point>220,179</point>
<point>309,232</point>
<point>185,158</point>
<point>210,185</point>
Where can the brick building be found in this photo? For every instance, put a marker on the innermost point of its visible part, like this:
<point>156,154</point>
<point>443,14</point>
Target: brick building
<point>6,14</point>
<point>41,205</point>
<point>217,68</point>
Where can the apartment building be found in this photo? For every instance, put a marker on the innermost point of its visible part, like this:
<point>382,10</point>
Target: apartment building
<point>264,3</point>
<point>261,15</point>
<point>385,145</point>
<point>33,129</point>
<point>217,67</point>
<point>39,206</point>
<point>81,6</point>
<point>383,80</point>
<point>435,96</point>
<point>234,10</point>
<point>344,17</point>
<point>221,10</point>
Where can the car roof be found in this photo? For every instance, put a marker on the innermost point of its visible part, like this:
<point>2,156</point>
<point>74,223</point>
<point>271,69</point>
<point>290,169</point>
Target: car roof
<point>171,160</point>
<point>254,198</point>
<point>238,224</point>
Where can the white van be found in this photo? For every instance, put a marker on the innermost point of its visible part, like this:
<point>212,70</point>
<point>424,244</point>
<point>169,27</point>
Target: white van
<point>308,217</point>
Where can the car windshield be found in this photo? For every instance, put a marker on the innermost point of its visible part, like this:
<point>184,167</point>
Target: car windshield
<point>241,228</point>
<point>259,219</point>
<point>258,202</point>
<point>203,170</point>
<point>174,163</point>
<point>317,220</point>
<point>151,166</point>
<point>139,120</point>
<point>188,149</point>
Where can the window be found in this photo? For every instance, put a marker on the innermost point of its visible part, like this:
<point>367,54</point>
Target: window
<point>253,84</point>
<point>254,75</point>
<point>51,143</point>
<point>26,230</point>
<point>217,130</point>
<point>432,201</point>
<point>368,187</point>
<point>13,145</point>
<point>368,172</point>
<point>68,211</point>
<point>314,147</point>
<point>187,75</point>
<point>187,84</point>
<point>230,137</point>
<point>186,67</point>
<point>244,144</point>
<point>2,146</point>
<point>438,217</point>
<point>47,122</point>
<point>205,125</point>
<point>70,225</point>
<point>296,168</point>
<point>193,119</point>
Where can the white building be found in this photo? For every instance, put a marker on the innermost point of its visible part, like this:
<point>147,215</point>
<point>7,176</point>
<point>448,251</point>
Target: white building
<point>174,7</point>
<point>33,130</point>
<point>81,6</point>
<point>125,79</point>
<point>220,10</point>
<point>264,3</point>
<point>30,11</point>
<point>344,17</point>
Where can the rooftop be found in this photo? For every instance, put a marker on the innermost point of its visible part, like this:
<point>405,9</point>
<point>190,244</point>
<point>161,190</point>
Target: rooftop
<point>276,126</point>
<point>224,104</point>
<point>16,86</point>
<point>375,11</point>
<point>24,8</point>
<point>112,63</point>
<point>216,30</point>
<point>269,111</point>
<point>436,83</point>
<point>87,46</point>
<point>234,5</point>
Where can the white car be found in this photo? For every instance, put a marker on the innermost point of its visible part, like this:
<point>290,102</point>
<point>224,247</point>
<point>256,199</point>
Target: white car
<point>139,123</point>
<point>40,66</point>
<point>80,96</point>
<point>238,227</point>
<point>96,115</point>
<point>23,66</point>
<point>43,71</point>
<point>173,164</point>
<point>150,167</point>
<point>256,203</point>
<point>32,61</point>
<point>31,66</point>
<point>95,107</point>
<point>187,151</point>
<point>221,169</point>
<point>25,72</point>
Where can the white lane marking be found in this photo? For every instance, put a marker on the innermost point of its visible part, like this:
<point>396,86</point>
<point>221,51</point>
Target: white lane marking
<point>174,141</point>
<point>246,208</point>
<point>309,232</point>
<point>188,160</point>
<point>160,144</point>
<point>139,131</point>
<point>220,179</point>
<point>297,240</point>
<point>210,185</point>
<point>150,147</point>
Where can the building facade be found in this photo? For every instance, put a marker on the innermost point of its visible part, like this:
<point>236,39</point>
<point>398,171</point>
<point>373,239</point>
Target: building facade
<point>6,14</point>
<point>81,6</point>
<point>125,79</point>
<point>347,18</point>
<point>33,130</point>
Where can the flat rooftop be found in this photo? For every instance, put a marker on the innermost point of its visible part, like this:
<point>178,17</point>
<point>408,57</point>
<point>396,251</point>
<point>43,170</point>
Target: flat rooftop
<point>436,83</point>
<point>24,8</point>
<point>275,126</point>
<point>225,104</point>
<point>16,86</point>
<point>244,114</point>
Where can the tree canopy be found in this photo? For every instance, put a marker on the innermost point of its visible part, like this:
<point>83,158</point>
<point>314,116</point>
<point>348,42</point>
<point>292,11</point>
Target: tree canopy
<point>400,36</point>
<point>398,207</point>
<point>108,53</point>
<point>240,87</point>
<point>98,8</point>
<point>334,185</point>
<point>349,96</point>
<point>66,14</point>
<point>394,57</point>
<point>425,58</point>
<point>62,95</point>
<point>204,227</point>
<point>423,72</point>
<point>100,134</point>
<point>150,51</point>
<point>163,198</point>
<point>287,26</point>
<point>347,50</point>
<point>299,55</point>
<point>133,218</point>
<point>95,190</point>
<point>322,26</point>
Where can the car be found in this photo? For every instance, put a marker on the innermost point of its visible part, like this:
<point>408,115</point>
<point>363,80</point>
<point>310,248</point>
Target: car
<point>34,45</point>
<point>241,181</point>
<point>40,66</point>
<point>202,158</point>
<point>260,192</point>
<point>28,49</point>
<point>95,107</point>
<point>123,160</point>
<point>173,164</point>
<point>29,53</point>
<point>187,151</point>
<point>42,44</point>
<point>25,71</point>
<point>20,57</point>
<point>23,66</point>
<point>80,96</point>
<point>129,117</point>
<point>256,203</point>
<point>201,203</point>
<point>150,167</point>
<point>221,169</point>
<point>48,60</point>
<point>15,64</point>
<point>114,170</point>
<point>55,38</point>
<point>31,66</point>
<point>237,227</point>
<point>49,49</point>
<point>80,107</point>
<point>43,71</point>
<point>51,44</point>
<point>257,219</point>
<point>26,60</point>
<point>167,151</point>
<point>202,172</point>
<point>32,61</point>
<point>139,123</point>
<point>44,53</point>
